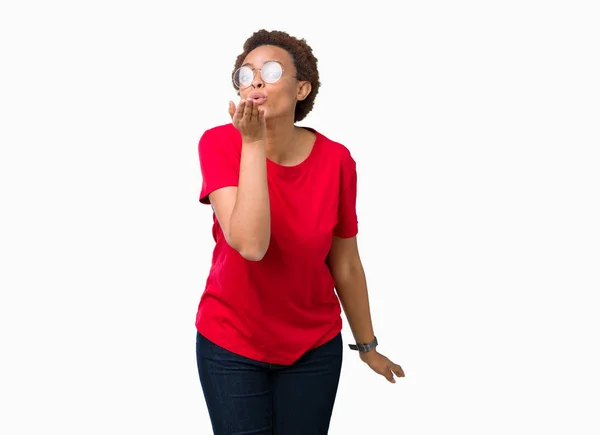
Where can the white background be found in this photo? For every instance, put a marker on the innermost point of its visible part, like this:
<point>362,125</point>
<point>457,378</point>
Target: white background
<point>475,126</point>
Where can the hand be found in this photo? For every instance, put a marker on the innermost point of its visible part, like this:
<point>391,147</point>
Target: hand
<point>382,365</point>
<point>249,119</point>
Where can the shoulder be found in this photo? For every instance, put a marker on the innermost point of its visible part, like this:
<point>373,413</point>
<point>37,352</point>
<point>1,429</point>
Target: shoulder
<point>221,136</point>
<point>224,131</point>
<point>220,146</point>
<point>335,149</point>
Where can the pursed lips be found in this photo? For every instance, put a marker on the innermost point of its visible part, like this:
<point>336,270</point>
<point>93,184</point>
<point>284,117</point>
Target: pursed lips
<point>257,97</point>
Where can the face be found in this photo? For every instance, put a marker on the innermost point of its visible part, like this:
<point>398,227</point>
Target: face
<point>276,99</point>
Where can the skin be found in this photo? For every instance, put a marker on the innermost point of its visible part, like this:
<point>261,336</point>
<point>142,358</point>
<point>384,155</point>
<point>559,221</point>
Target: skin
<point>285,143</point>
<point>268,132</point>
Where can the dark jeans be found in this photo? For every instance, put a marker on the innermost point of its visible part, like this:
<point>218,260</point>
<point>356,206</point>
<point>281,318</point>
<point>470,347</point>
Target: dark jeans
<point>247,397</point>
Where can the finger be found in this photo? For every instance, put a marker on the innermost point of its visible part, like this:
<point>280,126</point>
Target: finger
<point>253,112</point>
<point>261,116</point>
<point>248,111</point>
<point>398,371</point>
<point>231,109</point>
<point>390,377</point>
<point>386,373</point>
<point>240,110</point>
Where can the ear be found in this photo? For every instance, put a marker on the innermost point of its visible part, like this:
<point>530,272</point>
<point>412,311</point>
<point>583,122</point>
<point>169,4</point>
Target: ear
<point>304,89</point>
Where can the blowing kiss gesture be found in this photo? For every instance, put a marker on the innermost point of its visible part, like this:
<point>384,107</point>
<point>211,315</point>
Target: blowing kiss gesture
<point>249,119</point>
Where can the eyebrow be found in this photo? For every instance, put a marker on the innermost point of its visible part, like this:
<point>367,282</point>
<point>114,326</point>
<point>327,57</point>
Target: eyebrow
<point>268,60</point>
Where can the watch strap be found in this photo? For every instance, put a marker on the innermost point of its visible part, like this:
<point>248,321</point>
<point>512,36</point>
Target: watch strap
<point>364,347</point>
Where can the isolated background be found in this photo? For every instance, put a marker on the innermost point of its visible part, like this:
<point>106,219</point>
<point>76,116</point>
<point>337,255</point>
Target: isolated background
<point>475,128</point>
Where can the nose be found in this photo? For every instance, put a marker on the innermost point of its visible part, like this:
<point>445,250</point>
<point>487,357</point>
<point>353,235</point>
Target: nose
<point>257,81</point>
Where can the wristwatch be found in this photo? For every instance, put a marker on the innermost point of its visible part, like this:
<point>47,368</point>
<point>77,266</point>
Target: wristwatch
<point>364,347</point>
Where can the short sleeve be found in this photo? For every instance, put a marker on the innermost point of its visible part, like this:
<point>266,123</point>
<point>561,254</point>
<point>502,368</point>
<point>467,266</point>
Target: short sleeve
<point>219,162</point>
<point>347,225</point>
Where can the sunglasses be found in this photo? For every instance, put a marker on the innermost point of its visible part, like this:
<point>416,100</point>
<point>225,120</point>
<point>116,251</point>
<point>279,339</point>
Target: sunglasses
<point>271,72</point>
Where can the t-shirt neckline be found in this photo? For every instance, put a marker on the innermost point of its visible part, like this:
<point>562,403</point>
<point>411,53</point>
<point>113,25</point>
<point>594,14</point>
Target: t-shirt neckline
<point>303,163</point>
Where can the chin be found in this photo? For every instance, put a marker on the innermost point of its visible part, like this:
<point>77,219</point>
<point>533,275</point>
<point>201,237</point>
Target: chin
<point>272,112</point>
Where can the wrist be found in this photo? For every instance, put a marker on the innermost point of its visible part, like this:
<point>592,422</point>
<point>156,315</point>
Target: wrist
<point>253,142</point>
<point>366,356</point>
<point>364,347</point>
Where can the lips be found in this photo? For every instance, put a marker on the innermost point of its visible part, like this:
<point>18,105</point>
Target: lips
<point>257,97</point>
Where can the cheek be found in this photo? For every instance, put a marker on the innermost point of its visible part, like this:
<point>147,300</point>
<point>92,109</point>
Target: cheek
<point>280,102</point>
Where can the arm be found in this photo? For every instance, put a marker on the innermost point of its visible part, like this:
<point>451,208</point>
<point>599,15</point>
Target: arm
<point>244,211</point>
<point>351,285</point>
<point>346,268</point>
<point>344,262</point>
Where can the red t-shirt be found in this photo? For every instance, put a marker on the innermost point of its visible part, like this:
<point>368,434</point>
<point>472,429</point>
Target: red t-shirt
<point>275,309</point>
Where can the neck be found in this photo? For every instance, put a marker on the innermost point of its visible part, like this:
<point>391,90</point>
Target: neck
<point>281,136</point>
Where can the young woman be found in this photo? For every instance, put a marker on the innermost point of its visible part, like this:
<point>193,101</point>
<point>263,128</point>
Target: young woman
<point>269,344</point>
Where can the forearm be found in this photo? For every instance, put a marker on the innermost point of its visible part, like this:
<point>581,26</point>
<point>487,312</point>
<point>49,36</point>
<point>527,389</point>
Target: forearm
<point>351,286</point>
<point>250,225</point>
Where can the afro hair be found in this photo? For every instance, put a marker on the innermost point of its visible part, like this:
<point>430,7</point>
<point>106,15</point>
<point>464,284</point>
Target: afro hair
<point>304,61</point>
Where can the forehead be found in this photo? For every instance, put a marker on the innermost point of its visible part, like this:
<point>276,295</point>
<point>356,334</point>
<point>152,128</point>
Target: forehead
<point>260,55</point>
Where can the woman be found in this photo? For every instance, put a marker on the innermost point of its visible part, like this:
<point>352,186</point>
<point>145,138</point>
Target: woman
<point>269,344</point>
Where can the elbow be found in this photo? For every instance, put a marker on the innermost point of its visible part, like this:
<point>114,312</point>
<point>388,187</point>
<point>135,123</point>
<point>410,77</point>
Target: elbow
<point>253,254</point>
<point>256,250</point>
<point>251,250</point>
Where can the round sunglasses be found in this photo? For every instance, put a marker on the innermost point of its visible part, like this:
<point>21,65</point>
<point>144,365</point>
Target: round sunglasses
<point>270,72</point>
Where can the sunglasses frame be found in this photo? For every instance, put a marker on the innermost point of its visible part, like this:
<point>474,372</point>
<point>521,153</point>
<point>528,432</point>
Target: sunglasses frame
<point>238,86</point>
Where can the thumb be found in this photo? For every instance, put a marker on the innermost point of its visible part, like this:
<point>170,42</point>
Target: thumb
<point>231,109</point>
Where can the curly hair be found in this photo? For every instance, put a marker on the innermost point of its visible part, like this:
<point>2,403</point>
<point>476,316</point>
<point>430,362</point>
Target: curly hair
<point>304,61</point>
